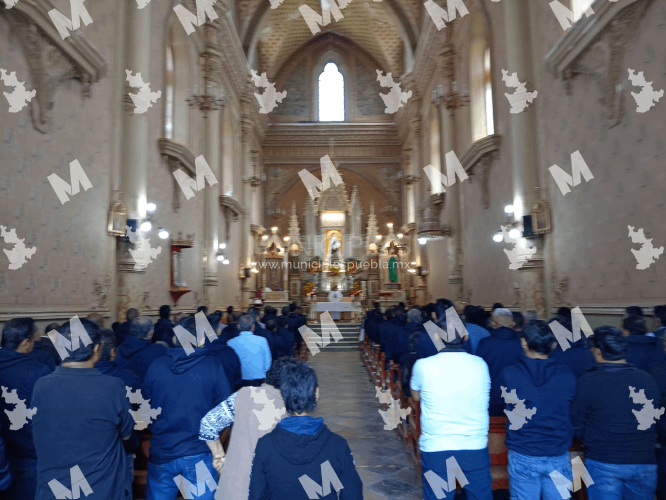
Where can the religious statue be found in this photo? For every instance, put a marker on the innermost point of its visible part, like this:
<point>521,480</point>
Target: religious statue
<point>393,269</point>
<point>335,252</point>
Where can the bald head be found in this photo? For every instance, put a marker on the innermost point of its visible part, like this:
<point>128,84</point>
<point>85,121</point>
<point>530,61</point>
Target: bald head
<point>502,317</point>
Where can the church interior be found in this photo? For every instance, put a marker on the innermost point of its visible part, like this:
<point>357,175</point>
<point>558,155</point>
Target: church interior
<point>262,153</point>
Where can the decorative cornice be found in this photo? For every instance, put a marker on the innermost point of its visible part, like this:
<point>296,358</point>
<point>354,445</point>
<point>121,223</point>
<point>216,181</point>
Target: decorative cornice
<point>178,152</point>
<point>489,145</point>
<point>233,205</point>
<point>319,134</point>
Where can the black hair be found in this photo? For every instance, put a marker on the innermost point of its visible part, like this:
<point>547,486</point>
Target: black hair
<point>518,319</point>
<point>165,311</point>
<point>659,310</point>
<point>271,325</point>
<point>610,341</point>
<point>440,309</point>
<point>189,323</point>
<point>202,309</point>
<point>282,321</point>
<point>84,352</point>
<point>214,320</point>
<point>539,336</point>
<point>230,310</point>
<point>114,326</point>
<point>446,303</point>
<point>293,306</point>
<point>16,331</point>
<point>497,305</point>
<point>54,326</point>
<point>661,314</point>
<point>132,314</point>
<point>634,311</point>
<point>274,373</point>
<point>285,311</point>
<point>298,388</point>
<point>475,315</point>
<point>565,312</point>
<point>108,341</point>
<point>141,327</point>
<point>390,313</point>
<point>636,325</point>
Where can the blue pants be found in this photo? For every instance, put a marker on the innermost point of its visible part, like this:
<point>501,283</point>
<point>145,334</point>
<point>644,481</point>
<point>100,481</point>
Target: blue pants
<point>529,477</point>
<point>162,478</point>
<point>661,474</point>
<point>24,483</point>
<point>621,481</point>
<point>474,465</point>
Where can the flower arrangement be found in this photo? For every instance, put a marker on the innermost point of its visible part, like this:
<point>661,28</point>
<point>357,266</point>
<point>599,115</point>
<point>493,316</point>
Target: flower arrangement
<point>308,287</point>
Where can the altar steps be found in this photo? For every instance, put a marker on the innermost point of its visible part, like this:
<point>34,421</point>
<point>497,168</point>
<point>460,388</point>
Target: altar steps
<point>349,341</point>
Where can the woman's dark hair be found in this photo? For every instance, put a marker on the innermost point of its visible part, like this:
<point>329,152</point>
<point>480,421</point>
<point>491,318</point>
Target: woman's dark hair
<point>539,336</point>
<point>165,311</point>
<point>518,319</point>
<point>84,352</point>
<point>298,388</point>
<point>271,325</point>
<point>16,331</point>
<point>636,325</point>
<point>274,373</point>
<point>634,311</point>
<point>610,341</point>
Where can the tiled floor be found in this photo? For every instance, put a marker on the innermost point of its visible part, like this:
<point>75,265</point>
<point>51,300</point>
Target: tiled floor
<point>349,406</point>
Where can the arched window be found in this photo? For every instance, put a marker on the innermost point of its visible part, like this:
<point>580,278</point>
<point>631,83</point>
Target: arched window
<point>481,89</point>
<point>578,7</point>
<point>434,149</point>
<point>168,111</point>
<point>331,94</point>
<point>179,78</point>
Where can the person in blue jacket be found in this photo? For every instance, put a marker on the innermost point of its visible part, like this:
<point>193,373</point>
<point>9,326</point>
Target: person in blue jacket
<point>642,350</point>
<point>301,455</point>
<point>138,350</point>
<point>578,356</point>
<point>163,330</point>
<point>283,339</point>
<point>226,356</point>
<point>538,392</point>
<point>5,472</point>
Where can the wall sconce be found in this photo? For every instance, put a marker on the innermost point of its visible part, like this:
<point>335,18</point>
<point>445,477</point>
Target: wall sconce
<point>498,237</point>
<point>423,241</point>
<point>508,209</point>
<point>163,234</point>
<point>151,207</point>
<point>223,246</point>
<point>400,235</point>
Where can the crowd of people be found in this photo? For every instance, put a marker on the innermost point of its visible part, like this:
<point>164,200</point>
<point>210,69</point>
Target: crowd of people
<point>606,390</point>
<point>73,426</point>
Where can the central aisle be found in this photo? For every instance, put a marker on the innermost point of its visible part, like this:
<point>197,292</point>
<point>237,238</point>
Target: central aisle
<point>349,405</point>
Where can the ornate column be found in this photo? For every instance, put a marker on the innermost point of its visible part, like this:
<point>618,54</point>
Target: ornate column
<point>133,169</point>
<point>450,101</point>
<point>524,149</point>
<point>247,245</point>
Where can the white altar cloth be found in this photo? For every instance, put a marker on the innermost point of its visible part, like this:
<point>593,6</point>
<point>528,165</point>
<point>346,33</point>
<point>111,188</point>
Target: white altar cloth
<point>335,306</point>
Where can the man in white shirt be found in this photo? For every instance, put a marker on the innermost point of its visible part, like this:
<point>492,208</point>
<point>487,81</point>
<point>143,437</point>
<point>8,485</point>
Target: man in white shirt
<point>454,389</point>
<point>335,296</point>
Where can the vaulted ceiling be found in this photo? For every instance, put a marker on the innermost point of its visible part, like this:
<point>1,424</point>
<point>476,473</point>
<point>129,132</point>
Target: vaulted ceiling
<point>385,29</point>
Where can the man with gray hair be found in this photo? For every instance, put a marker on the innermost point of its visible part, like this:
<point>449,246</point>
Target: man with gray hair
<point>531,315</point>
<point>138,351</point>
<point>500,350</point>
<point>253,352</point>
